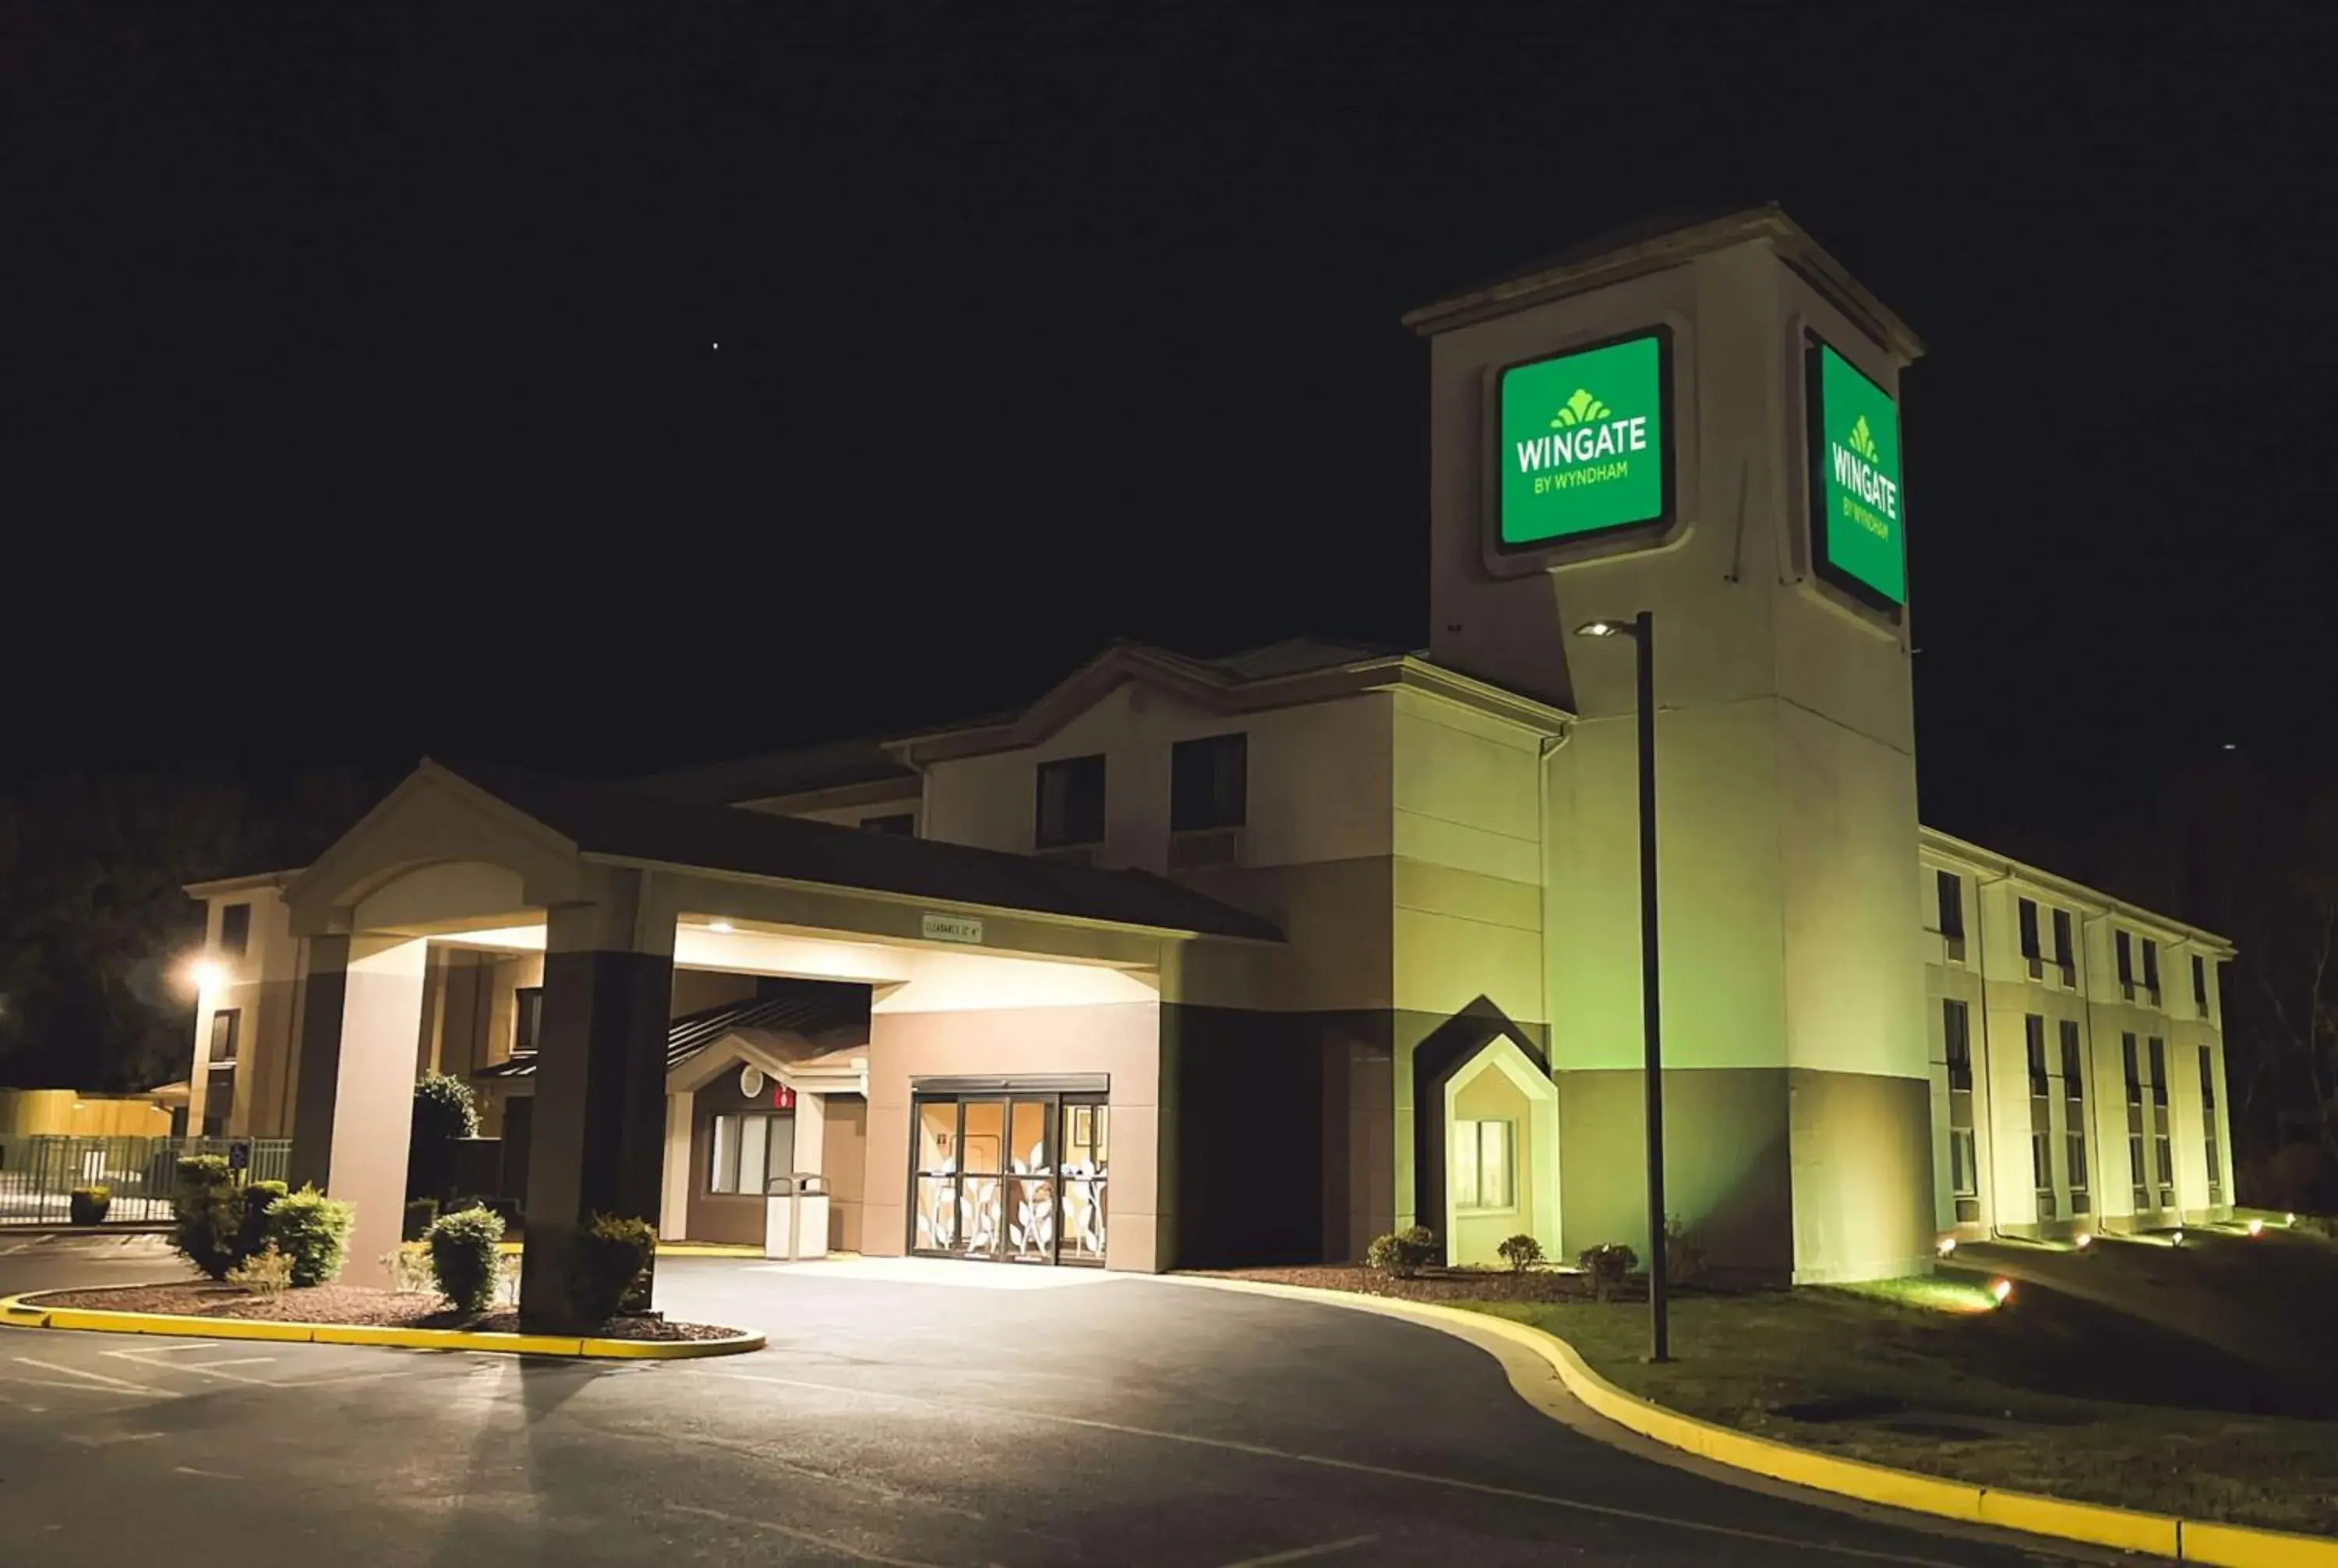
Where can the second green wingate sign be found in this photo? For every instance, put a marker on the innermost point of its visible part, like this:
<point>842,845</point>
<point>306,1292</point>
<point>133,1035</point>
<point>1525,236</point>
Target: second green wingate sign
<point>1582,443</point>
<point>1861,513</point>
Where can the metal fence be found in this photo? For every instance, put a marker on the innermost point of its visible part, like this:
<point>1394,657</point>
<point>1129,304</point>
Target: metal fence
<point>38,1173</point>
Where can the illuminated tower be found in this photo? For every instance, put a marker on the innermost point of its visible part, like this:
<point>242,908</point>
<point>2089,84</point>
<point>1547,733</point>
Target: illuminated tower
<point>1701,422</point>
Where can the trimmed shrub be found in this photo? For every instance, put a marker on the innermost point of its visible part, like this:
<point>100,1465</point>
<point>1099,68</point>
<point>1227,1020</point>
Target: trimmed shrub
<point>1521,1252</point>
<point>1403,1253</point>
<point>419,1213</point>
<point>89,1204</point>
<point>1607,1263</point>
<point>465,1266</point>
<point>313,1232</point>
<point>207,1214</point>
<point>443,1111</point>
<point>252,1235</point>
<point>409,1267</point>
<point>1684,1258</point>
<point>266,1272</point>
<point>612,1262</point>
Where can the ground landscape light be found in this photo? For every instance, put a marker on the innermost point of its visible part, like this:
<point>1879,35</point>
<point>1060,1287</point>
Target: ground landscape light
<point>2257,1227</point>
<point>2002,1290</point>
<point>2084,1239</point>
<point>2177,1239</point>
<point>1945,1245</point>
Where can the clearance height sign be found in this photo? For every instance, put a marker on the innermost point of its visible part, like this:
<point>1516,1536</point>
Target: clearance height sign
<point>1584,446</point>
<point>1859,513</point>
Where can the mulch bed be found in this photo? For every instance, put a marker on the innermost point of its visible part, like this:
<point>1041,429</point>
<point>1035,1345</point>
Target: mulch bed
<point>347,1304</point>
<point>1428,1285</point>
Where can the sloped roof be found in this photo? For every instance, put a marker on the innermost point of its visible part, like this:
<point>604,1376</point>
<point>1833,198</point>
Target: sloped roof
<point>830,765</point>
<point>805,1007</point>
<point>604,820</point>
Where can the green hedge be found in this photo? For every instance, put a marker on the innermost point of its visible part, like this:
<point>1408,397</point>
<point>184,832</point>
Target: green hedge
<point>313,1232</point>
<point>463,1259</point>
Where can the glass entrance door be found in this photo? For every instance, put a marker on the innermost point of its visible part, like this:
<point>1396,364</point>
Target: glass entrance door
<point>1010,1178</point>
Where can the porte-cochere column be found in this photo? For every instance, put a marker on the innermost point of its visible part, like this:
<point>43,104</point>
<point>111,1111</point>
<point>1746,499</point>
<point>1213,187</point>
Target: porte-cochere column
<point>599,1133</point>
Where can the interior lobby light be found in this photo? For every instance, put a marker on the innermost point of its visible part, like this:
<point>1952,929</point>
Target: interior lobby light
<point>721,927</point>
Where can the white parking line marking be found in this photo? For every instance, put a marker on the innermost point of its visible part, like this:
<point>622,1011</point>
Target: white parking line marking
<point>1301,1554</point>
<point>203,1369</point>
<point>1354,1466</point>
<point>206,1475</point>
<point>86,1441</point>
<point>99,1378</point>
<point>826,1543</point>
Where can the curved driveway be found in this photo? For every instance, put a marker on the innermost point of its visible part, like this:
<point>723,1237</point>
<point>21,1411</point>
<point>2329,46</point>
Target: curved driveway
<point>955,1416</point>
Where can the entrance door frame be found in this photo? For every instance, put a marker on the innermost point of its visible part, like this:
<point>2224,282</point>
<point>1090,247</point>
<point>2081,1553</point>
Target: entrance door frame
<point>1056,1093</point>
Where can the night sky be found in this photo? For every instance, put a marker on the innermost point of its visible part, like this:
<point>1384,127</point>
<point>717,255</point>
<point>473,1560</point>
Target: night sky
<point>362,398</point>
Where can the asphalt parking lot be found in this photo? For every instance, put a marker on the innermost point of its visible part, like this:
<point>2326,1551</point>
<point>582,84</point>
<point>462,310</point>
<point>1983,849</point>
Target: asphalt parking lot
<point>952,1415</point>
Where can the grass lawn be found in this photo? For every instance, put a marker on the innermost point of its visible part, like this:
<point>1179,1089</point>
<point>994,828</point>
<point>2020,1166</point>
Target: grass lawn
<point>2054,1392</point>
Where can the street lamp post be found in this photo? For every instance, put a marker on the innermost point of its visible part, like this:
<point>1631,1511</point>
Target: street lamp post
<point>1642,630</point>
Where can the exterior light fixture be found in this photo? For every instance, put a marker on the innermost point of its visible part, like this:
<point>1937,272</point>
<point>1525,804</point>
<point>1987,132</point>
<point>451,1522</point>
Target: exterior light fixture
<point>1607,629</point>
<point>721,927</point>
<point>2291,1220</point>
<point>2257,1227</point>
<point>1945,1245</point>
<point>2175,1239</point>
<point>2002,1290</point>
<point>206,974</point>
<point>2083,1240</point>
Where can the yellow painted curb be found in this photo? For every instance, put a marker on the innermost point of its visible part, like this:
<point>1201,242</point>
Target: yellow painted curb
<point>2164,1535</point>
<point>664,1249</point>
<point>16,1311</point>
<point>2234,1547</point>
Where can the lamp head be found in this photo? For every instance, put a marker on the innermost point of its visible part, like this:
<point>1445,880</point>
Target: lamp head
<point>1607,629</point>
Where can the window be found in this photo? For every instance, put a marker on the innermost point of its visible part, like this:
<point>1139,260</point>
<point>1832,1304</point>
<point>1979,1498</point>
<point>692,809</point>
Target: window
<point>235,929</point>
<point>2125,946</point>
<point>2028,914</point>
<point>219,1101</point>
<point>2134,1076</point>
<point>2158,1071</point>
<point>2200,983</point>
<point>2208,1122</point>
<point>1956,1033</point>
<point>1208,783</point>
<point>527,1019</point>
<point>892,824</point>
<point>2151,967</point>
<point>1070,807</point>
<point>227,1028</point>
<point>1964,1165</point>
<point>2065,957</point>
<point>1482,1165</point>
<point>1964,1168</point>
<point>749,1150</point>
<point>1952,890</point>
<point>2041,1113</point>
<point>2074,1116</point>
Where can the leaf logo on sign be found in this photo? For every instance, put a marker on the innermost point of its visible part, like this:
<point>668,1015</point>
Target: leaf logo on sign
<point>1861,440</point>
<point>1580,409</point>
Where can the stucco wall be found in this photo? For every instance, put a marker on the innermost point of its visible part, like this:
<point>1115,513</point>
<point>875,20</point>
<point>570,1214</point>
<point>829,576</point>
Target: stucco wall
<point>1121,1040</point>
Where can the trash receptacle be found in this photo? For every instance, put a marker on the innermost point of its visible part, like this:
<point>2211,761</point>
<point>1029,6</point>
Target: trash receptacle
<point>795,1216</point>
